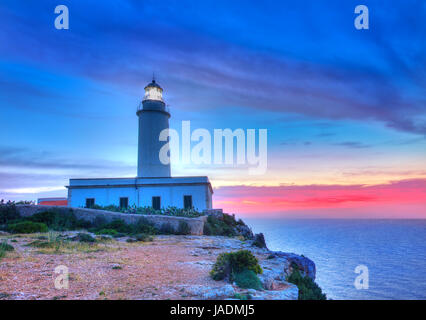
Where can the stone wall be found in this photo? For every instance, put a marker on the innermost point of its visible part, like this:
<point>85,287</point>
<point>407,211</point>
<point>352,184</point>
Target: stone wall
<point>196,224</point>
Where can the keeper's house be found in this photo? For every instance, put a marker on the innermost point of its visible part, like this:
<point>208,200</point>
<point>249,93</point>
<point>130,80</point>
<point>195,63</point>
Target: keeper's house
<point>154,186</point>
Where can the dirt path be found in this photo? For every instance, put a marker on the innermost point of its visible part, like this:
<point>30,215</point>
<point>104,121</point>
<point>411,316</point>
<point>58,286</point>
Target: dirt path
<point>111,270</point>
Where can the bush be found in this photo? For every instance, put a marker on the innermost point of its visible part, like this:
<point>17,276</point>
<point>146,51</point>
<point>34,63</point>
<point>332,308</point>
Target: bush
<point>85,237</point>
<point>169,211</point>
<point>216,227</point>
<point>8,212</point>
<point>4,246</point>
<point>109,232</point>
<point>144,226</point>
<point>183,228</point>
<point>99,223</point>
<point>308,289</point>
<point>60,220</point>
<point>240,296</point>
<point>229,264</point>
<point>167,228</point>
<point>248,279</point>
<point>119,225</point>
<point>143,237</point>
<point>27,227</point>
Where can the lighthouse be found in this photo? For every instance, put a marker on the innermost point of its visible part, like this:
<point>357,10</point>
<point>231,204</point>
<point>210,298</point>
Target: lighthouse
<point>153,186</point>
<point>153,118</point>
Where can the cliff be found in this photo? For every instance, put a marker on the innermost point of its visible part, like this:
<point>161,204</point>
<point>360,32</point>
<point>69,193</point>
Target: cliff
<point>129,267</point>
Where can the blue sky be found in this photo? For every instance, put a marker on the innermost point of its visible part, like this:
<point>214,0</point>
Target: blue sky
<point>334,99</point>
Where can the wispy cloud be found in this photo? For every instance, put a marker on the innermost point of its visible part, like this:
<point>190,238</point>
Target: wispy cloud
<point>352,144</point>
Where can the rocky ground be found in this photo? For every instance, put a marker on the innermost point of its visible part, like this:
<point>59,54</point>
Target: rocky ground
<point>170,267</point>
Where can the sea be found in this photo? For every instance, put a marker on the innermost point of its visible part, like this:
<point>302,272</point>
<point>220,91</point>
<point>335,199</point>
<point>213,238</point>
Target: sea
<point>392,253</point>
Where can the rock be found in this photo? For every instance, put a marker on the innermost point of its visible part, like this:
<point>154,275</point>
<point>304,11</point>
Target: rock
<point>305,265</point>
<point>259,240</point>
<point>290,293</point>
<point>245,231</point>
<point>251,291</point>
<point>206,293</point>
<point>269,283</point>
<point>215,293</point>
<point>217,213</point>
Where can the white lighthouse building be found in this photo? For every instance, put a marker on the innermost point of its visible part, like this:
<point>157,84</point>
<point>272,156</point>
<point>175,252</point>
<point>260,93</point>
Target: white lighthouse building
<point>154,186</point>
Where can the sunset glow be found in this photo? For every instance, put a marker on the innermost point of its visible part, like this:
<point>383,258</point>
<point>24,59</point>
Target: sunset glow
<point>344,110</point>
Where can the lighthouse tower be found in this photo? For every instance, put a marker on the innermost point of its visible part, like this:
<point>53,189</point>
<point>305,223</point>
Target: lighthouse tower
<point>154,186</point>
<point>153,118</point>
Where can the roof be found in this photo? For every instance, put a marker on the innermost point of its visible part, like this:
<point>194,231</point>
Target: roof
<point>153,84</point>
<point>53,203</point>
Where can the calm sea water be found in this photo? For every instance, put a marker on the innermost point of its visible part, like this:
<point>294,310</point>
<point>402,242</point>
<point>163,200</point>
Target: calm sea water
<point>393,250</point>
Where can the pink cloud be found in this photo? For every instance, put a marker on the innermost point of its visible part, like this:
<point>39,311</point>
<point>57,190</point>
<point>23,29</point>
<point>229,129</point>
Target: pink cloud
<point>405,198</point>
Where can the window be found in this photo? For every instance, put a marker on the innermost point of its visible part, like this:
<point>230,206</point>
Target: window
<point>156,203</point>
<point>187,202</point>
<point>124,203</point>
<point>90,202</point>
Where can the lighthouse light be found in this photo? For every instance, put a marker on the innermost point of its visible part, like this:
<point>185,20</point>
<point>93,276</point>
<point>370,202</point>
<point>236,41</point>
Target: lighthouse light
<point>153,93</point>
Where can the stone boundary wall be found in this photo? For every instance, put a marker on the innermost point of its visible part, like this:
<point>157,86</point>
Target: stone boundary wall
<point>196,224</point>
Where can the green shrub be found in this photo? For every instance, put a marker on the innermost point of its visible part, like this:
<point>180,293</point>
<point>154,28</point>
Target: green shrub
<point>109,232</point>
<point>143,237</point>
<point>229,264</point>
<point>85,237</point>
<point>144,226</point>
<point>6,247</point>
<point>169,211</point>
<point>119,225</point>
<point>308,289</point>
<point>240,296</point>
<point>248,279</point>
<point>99,223</point>
<point>60,220</point>
<point>216,227</point>
<point>27,227</point>
<point>167,228</point>
<point>8,213</point>
<point>183,228</point>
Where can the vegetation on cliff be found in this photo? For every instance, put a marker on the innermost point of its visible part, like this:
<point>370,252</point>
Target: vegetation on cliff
<point>169,211</point>
<point>51,219</point>
<point>240,266</point>
<point>308,289</point>
<point>226,225</point>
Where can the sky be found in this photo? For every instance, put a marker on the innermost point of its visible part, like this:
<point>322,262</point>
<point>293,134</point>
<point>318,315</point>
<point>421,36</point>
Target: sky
<point>345,109</point>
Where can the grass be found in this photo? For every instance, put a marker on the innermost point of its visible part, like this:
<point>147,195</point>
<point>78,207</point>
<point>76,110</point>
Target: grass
<point>56,245</point>
<point>5,248</point>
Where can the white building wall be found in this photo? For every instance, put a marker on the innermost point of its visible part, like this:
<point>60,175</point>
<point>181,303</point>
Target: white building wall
<point>140,193</point>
